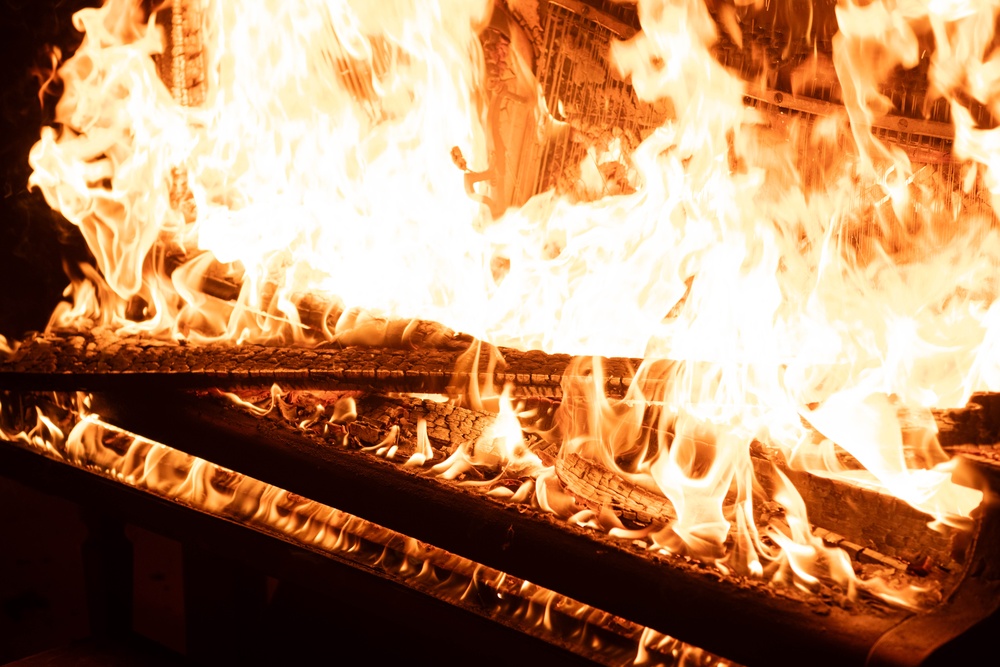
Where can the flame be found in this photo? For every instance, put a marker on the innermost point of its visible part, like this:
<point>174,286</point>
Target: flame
<point>806,278</point>
<point>503,440</point>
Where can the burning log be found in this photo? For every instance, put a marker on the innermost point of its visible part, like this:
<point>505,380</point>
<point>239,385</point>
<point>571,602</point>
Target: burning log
<point>871,527</point>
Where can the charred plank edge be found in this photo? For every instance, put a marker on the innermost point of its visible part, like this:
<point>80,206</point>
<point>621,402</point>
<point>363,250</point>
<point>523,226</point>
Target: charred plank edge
<point>76,362</point>
<point>594,569</point>
<point>870,527</point>
<point>941,635</point>
<point>324,572</point>
<point>62,362</point>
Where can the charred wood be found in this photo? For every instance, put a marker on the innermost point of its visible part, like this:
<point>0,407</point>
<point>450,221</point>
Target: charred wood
<point>371,418</point>
<point>599,487</point>
<point>329,575</point>
<point>871,527</point>
<point>70,361</point>
<point>976,423</point>
<point>416,357</point>
<point>515,539</point>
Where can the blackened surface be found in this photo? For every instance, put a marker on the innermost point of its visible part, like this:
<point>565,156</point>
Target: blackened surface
<point>321,610</point>
<point>530,545</point>
<point>33,239</point>
<point>42,596</point>
<point>98,360</point>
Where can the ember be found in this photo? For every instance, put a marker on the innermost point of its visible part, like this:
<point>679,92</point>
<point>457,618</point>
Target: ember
<point>705,281</point>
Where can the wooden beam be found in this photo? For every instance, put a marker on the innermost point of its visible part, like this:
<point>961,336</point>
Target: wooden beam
<point>726,616</point>
<point>99,361</point>
<point>332,578</point>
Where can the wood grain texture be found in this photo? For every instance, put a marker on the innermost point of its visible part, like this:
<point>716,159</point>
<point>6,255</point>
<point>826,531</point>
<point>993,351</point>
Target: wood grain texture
<point>516,539</point>
<point>98,361</point>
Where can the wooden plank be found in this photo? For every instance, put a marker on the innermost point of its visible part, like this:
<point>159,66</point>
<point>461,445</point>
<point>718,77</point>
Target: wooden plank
<point>331,576</point>
<point>593,568</point>
<point>100,361</point>
<point>871,527</point>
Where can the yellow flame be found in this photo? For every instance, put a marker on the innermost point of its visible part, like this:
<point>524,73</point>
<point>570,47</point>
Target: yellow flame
<point>503,441</point>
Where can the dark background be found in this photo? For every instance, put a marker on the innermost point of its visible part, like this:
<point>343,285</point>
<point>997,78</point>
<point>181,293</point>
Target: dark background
<point>34,240</point>
<point>42,598</point>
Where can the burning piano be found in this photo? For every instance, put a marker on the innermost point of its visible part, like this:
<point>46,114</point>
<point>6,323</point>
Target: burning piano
<point>610,324</point>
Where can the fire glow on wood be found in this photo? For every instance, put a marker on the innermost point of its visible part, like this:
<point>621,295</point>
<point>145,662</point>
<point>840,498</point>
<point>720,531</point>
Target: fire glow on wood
<point>799,290</point>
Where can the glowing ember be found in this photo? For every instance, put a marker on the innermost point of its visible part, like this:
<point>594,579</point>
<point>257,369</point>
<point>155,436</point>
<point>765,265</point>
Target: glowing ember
<point>808,279</point>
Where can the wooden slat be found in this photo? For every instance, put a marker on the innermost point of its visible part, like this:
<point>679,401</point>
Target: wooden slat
<point>593,568</point>
<point>331,577</point>
<point>98,362</point>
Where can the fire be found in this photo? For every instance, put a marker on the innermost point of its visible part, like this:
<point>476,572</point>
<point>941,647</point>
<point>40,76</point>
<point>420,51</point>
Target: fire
<point>807,280</point>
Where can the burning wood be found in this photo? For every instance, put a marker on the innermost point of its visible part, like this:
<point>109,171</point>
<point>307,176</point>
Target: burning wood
<point>515,542</point>
<point>95,360</point>
<point>358,479</point>
<point>99,360</point>
<point>896,535</point>
<point>805,263</point>
<point>872,527</point>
